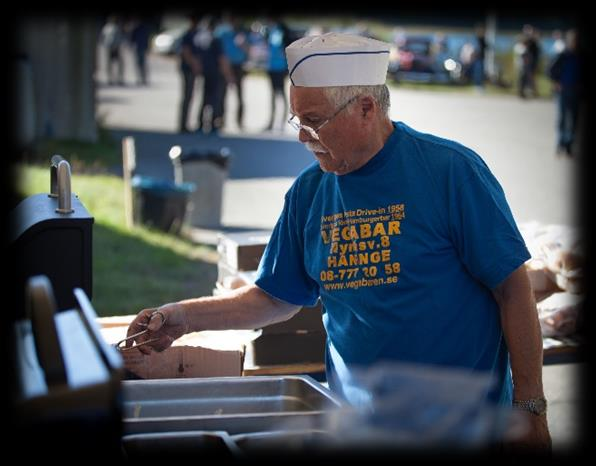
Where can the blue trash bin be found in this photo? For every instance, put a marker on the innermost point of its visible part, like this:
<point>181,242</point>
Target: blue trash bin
<point>159,203</point>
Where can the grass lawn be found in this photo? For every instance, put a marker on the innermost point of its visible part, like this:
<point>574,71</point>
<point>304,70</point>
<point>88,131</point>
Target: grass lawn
<point>132,269</point>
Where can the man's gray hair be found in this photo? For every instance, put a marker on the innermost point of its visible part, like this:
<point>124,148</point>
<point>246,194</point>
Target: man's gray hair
<point>338,95</point>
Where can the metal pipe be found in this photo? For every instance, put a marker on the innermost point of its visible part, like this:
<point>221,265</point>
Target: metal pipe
<point>56,159</point>
<point>175,153</point>
<point>64,193</point>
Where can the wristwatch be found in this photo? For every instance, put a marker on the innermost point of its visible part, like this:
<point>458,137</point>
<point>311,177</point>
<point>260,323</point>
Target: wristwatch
<point>536,406</point>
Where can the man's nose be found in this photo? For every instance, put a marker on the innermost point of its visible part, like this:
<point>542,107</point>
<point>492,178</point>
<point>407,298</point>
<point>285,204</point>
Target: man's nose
<point>304,136</point>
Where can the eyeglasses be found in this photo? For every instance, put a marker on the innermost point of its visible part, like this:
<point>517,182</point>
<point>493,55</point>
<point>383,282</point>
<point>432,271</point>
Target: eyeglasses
<point>294,122</point>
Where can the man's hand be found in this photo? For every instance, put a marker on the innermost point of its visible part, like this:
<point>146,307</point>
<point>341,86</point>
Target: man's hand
<point>163,324</point>
<point>536,438</point>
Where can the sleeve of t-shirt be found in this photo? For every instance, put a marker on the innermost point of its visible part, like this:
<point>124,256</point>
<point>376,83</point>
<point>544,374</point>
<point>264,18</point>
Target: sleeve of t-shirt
<point>281,272</point>
<point>483,228</point>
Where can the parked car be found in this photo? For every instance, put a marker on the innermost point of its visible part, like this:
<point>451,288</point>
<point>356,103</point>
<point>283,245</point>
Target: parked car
<point>424,58</point>
<point>169,41</point>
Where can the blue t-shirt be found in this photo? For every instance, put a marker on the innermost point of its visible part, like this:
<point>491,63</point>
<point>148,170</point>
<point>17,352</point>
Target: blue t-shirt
<point>403,253</point>
<point>277,55</point>
<point>230,40</point>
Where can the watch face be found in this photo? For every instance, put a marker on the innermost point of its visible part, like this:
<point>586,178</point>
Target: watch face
<point>536,406</point>
<point>539,406</point>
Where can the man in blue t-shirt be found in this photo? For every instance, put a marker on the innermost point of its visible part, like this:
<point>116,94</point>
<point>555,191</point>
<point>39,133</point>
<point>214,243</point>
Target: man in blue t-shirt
<point>406,238</point>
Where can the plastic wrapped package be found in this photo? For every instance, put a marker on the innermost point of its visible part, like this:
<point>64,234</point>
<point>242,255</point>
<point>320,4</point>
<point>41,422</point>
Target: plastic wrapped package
<point>420,406</point>
<point>566,262</point>
<point>541,277</point>
<point>542,239</point>
<point>571,280</point>
<point>560,314</point>
<point>557,257</point>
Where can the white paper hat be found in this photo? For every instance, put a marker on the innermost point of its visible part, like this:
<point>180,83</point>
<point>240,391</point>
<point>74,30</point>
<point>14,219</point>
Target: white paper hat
<point>336,59</point>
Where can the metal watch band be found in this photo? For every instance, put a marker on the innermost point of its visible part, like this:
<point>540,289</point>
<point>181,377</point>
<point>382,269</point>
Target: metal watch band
<point>534,405</point>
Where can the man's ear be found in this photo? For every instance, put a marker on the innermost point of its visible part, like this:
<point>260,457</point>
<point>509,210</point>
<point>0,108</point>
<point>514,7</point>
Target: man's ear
<point>367,105</point>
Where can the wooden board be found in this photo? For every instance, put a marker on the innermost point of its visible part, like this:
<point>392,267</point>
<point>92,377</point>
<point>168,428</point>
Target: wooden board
<point>302,368</point>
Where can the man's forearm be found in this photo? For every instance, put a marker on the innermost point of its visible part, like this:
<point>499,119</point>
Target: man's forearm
<point>244,308</point>
<point>522,333</point>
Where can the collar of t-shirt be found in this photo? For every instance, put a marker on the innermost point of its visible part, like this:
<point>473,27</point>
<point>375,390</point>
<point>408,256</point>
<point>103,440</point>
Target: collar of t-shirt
<point>380,157</point>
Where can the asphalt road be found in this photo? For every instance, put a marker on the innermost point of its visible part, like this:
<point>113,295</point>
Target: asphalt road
<point>516,139</point>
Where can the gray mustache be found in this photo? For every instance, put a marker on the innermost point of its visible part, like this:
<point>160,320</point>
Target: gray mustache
<point>313,147</point>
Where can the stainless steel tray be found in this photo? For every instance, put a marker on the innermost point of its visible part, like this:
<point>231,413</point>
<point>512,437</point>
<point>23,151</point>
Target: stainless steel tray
<point>233,404</point>
<point>296,440</point>
<point>179,443</point>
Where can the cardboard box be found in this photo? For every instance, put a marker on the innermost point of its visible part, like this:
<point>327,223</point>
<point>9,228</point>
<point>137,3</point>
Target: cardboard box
<point>541,278</point>
<point>228,276</point>
<point>286,348</point>
<point>193,355</point>
<point>243,251</point>
<point>183,361</point>
<point>224,271</point>
<point>308,319</point>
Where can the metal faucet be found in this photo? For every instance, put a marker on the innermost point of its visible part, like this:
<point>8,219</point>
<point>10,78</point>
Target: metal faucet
<point>54,175</point>
<point>64,192</point>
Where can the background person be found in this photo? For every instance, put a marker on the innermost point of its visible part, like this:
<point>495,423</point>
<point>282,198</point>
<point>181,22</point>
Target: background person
<point>565,74</point>
<point>217,73</point>
<point>478,58</point>
<point>530,59</point>
<point>113,38</point>
<point>190,69</point>
<point>277,37</point>
<point>235,41</point>
<point>139,35</point>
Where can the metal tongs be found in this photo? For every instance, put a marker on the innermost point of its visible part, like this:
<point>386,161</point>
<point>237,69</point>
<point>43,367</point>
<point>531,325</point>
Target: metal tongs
<point>119,346</point>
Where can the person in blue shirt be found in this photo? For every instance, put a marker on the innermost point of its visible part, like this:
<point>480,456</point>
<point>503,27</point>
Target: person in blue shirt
<point>277,68</point>
<point>235,42</point>
<point>216,71</point>
<point>405,237</point>
<point>140,33</point>
<point>564,71</point>
<point>190,69</point>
